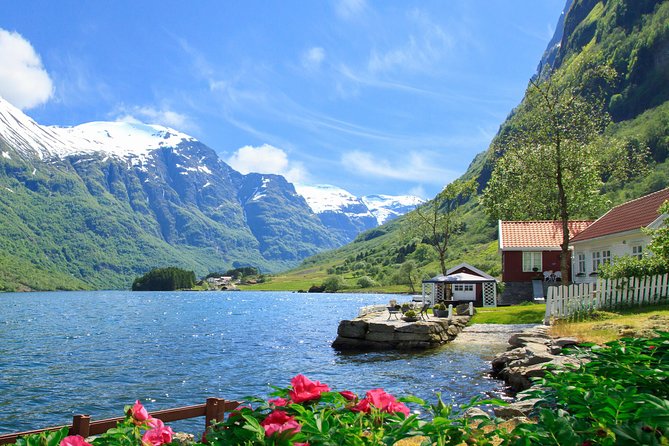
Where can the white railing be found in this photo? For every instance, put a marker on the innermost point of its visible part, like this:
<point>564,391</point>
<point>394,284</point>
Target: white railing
<point>579,299</point>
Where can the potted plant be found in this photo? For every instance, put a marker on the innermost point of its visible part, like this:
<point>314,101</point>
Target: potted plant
<point>410,316</point>
<point>440,310</point>
<point>405,307</point>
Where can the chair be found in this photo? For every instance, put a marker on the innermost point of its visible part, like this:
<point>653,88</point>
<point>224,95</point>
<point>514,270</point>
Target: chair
<point>548,276</point>
<point>557,275</point>
<point>423,311</point>
<point>393,311</point>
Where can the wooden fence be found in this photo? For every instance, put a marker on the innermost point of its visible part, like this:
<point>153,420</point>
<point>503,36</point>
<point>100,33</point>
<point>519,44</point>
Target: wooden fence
<point>580,299</point>
<point>213,409</point>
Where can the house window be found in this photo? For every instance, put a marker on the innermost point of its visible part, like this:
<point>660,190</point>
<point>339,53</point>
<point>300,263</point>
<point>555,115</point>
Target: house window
<point>637,251</point>
<point>580,263</point>
<point>599,258</point>
<point>463,287</point>
<point>531,261</point>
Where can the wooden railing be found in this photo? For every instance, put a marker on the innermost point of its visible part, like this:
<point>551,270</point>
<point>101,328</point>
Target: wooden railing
<point>213,409</point>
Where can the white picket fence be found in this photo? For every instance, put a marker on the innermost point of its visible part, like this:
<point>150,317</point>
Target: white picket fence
<point>579,299</point>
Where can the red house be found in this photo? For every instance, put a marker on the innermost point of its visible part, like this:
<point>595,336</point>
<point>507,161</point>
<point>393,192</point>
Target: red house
<point>531,250</point>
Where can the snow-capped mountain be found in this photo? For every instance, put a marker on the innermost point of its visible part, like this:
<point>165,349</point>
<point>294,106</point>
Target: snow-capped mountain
<point>343,211</point>
<point>118,198</point>
<point>387,207</point>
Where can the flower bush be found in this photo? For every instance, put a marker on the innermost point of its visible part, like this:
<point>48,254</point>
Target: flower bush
<point>619,396</point>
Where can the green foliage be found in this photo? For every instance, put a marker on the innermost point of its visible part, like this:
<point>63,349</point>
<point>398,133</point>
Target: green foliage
<point>165,279</point>
<point>50,438</point>
<point>515,314</point>
<point>333,284</point>
<point>366,282</point>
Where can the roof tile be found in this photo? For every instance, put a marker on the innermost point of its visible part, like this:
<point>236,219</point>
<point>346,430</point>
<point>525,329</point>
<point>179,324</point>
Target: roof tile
<point>536,234</point>
<point>628,216</point>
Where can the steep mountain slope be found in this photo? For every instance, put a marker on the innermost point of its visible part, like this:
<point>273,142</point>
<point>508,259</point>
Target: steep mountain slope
<point>630,35</point>
<point>97,204</point>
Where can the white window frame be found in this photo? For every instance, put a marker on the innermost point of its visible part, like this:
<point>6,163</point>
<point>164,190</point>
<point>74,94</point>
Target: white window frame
<point>580,263</point>
<point>606,256</point>
<point>637,251</point>
<point>531,260</point>
<point>596,261</point>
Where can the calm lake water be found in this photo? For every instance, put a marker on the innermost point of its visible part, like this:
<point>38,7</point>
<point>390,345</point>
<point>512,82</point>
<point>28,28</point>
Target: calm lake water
<point>63,353</point>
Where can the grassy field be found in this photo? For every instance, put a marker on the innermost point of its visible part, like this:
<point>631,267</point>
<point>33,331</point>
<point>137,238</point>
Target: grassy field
<point>517,314</point>
<point>608,326</point>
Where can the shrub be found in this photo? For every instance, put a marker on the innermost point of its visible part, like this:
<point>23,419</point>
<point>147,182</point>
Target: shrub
<point>366,282</point>
<point>333,284</point>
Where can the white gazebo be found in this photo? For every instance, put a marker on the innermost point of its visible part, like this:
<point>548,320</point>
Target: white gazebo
<point>461,284</point>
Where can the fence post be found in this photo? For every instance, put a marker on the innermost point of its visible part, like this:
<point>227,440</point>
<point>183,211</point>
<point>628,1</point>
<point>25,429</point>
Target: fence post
<point>81,425</point>
<point>471,308</point>
<point>450,311</point>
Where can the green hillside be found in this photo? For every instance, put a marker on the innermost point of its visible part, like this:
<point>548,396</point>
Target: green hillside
<point>631,36</point>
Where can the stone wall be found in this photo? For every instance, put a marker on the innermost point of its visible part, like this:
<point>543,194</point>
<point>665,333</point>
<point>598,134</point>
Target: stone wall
<point>376,332</point>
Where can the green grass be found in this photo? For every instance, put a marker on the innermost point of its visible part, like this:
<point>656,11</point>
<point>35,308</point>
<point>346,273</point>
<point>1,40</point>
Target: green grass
<point>516,314</point>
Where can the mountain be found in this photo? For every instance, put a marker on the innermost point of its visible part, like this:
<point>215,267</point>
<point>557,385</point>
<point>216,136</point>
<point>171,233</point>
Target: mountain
<point>97,204</point>
<point>348,215</point>
<point>632,36</point>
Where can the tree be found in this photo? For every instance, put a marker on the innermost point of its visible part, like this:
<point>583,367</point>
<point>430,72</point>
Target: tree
<point>333,284</point>
<point>436,221</point>
<point>552,158</point>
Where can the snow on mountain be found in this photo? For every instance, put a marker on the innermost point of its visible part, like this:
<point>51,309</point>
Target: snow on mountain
<point>387,207</point>
<point>326,198</point>
<point>123,140</point>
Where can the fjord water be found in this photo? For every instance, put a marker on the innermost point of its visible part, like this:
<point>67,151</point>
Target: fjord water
<point>63,353</point>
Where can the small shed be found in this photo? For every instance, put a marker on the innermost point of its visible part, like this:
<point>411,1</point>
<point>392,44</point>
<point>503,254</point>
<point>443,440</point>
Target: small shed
<point>462,284</point>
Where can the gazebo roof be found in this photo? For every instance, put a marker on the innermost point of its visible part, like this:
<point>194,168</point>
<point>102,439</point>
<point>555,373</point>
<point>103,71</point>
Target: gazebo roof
<point>459,278</point>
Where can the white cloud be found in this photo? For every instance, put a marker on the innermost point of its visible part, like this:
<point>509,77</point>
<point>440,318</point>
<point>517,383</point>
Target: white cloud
<point>23,80</point>
<point>313,58</point>
<point>348,9</point>
<point>266,159</point>
<point>417,167</point>
<point>151,115</point>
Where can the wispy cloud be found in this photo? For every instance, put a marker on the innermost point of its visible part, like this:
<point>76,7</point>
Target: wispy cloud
<point>423,49</point>
<point>267,159</point>
<point>151,115</point>
<point>23,80</point>
<point>416,167</point>
<point>313,58</point>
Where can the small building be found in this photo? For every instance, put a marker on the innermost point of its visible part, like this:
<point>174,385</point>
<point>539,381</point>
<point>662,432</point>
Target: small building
<point>617,233</point>
<point>462,284</point>
<point>531,251</point>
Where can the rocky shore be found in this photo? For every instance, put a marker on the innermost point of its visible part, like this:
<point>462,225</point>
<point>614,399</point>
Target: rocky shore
<point>527,357</point>
<point>376,332</point>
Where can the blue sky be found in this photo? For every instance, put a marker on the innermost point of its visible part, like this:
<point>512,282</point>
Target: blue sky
<point>390,97</point>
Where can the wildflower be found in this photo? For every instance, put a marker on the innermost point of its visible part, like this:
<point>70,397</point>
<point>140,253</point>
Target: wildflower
<point>305,389</point>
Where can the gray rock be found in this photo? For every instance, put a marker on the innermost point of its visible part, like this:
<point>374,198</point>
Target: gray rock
<point>565,342</point>
<point>475,412</point>
<point>352,329</point>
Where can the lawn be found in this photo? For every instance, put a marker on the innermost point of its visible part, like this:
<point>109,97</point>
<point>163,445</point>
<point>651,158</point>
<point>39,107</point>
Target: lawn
<point>605,326</point>
<point>529,313</point>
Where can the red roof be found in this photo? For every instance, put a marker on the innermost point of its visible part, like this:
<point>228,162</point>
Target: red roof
<point>536,234</point>
<point>628,216</point>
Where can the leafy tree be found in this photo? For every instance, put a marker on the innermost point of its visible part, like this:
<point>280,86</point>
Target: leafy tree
<point>659,245</point>
<point>164,279</point>
<point>366,282</point>
<point>436,221</point>
<point>333,284</point>
<point>408,274</point>
<point>552,161</point>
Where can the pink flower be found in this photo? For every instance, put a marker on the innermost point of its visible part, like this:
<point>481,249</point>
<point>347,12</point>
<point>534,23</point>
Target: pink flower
<point>279,421</point>
<point>383,401</point>
<point>278,402</point>
<point>155,422</point>
<point>349,395</point>
<point>306,390</point>
<point>138,412</point>
<point>300,444</point>
<point>74,440</point>
<point>157,436</point>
